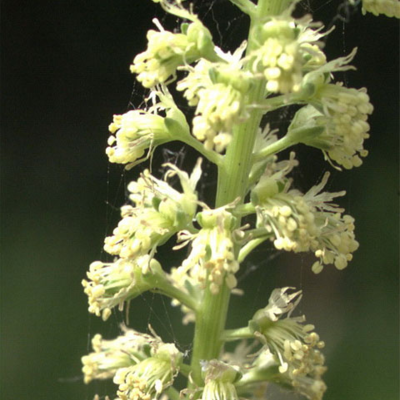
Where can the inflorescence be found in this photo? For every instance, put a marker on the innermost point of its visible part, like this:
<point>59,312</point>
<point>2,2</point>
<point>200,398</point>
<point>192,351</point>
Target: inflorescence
<point>284,66</point>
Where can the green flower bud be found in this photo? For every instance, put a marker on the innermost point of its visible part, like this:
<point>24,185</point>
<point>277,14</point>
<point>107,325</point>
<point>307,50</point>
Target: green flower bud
<point>201,37</point>
<point>266,187</point>
<point>219,381</point>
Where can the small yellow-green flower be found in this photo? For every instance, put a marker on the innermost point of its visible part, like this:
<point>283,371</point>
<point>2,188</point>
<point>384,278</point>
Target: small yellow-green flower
<point>139,230</point>
<point>150,377</point>
<point>265,365</point>
<point>111,355</point>
<point>211,259</point>
<point>301,223</point>
<point>390,8</point>
<point>166,51</point>
<point>343,112</point>
<point>218,90</point>
<point>112,284</point>
<point>132,134</point>
<point>286,50</point>
<point>290,344</point>
<point>159,212</point>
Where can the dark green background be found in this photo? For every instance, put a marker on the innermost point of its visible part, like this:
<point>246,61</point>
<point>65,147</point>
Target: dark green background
<point>64,73</point>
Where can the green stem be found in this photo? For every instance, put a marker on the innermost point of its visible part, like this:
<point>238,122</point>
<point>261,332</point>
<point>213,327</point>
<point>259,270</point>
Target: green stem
<point>274,148</point>
<point>209,154</point>
<point>178,129</point>
<point>245,209</point>
<point>233,175</point>
<point>245,5</point>
<point>237,334</point>
<point>258,375</point>
<point>284,100</point>
<point>249,247</point>
<point>257,233</point>
<point>166,288</point>
<point>210,322</point>
<point>185,370</point>
<point>272,7</point>
<point>293,137</point>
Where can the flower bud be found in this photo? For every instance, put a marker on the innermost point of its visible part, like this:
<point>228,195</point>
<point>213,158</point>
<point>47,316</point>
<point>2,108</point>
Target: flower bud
<point>219,381</point>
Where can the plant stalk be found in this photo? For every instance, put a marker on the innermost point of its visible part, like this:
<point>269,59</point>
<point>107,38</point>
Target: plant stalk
<point>232,183</point>
<point>233,176</point>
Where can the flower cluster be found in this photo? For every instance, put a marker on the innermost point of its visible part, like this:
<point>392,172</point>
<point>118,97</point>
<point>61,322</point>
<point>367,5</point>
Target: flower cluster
<point>158,212</point>
<point>390,8</point>
<point>166,51</point>
<point>290,344</point>
<point>132,134</point>
<point>344,113</point>
<point>141,364</point>
<point>218,91</point>
<point>150,377</point>
<point>211,260</point>
<point>309,222</point>
<point>111,284</point>
<point>309,385</point>
<point>287,49</point>
<point>140,229</point>
<point>111,355</point>
<point>341,113</point>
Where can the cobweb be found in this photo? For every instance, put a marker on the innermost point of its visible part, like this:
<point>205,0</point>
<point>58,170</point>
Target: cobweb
<point>228,26</point>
